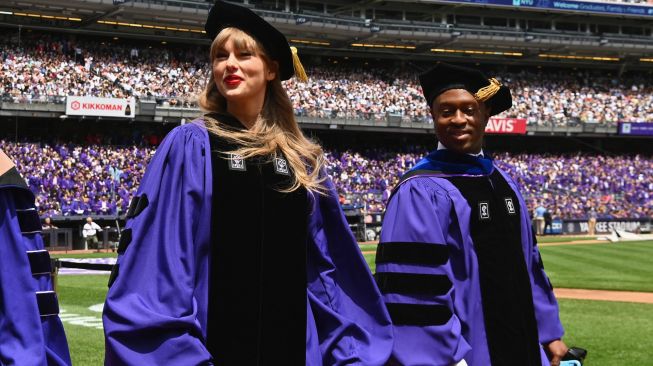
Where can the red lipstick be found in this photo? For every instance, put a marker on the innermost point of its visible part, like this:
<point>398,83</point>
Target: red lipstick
<point>232,80</point>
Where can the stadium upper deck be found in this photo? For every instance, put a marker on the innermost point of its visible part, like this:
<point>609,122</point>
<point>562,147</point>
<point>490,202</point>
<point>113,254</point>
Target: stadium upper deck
<point>493,32</point>
<point>49,67</point>
<point>522,31</point>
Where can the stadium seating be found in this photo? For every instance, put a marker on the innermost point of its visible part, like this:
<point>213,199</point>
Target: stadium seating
<point>71,179</point>
<point>49,67</point>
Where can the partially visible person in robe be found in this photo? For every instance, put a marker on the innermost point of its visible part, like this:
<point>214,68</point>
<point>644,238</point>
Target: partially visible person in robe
<point>236,251</point>
<point>31,333</point>
<point>457,262</point>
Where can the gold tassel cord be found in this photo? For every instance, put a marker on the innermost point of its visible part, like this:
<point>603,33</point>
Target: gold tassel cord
<point>299,68</point>
<point>485,93</point>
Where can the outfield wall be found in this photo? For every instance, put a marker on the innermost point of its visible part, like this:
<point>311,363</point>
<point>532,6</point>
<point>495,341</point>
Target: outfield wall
<point>605,226</point>
<point>68,236</point>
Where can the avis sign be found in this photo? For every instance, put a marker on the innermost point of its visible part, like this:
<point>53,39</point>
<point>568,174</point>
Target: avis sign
<point>515,126</point>
<point>102,107</point>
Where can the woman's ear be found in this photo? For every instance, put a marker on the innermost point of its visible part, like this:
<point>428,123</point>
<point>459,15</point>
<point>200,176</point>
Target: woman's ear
<point>271,72</point>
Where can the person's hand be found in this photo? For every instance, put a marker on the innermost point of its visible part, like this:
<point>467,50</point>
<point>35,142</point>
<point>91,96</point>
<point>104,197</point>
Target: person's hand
<point>555,350</point>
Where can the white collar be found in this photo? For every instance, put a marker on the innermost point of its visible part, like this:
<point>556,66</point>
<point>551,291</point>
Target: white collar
<point>477,155</point>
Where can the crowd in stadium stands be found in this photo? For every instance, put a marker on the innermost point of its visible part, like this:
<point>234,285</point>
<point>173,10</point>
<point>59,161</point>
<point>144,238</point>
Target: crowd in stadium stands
<point>571,185</point>
<point>71,179</point>
<point>358,93</point>
<point>562,97</point>
<point>80,180</point>
<point>46,68</point>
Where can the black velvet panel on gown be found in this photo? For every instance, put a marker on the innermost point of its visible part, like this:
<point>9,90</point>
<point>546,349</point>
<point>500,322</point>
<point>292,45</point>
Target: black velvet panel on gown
<point>257,304</point>
<point>506,293</point>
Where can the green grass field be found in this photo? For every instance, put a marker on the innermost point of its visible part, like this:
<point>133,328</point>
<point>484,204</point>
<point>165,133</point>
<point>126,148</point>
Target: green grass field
<point>618,266</point>
<point>562,239</point>
<point>368,247</point>
<point>85,336</point>
<point>615,333</point>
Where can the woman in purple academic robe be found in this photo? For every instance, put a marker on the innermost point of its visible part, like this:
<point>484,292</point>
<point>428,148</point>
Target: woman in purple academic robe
<point>31,333</point>
<point>236,251</point>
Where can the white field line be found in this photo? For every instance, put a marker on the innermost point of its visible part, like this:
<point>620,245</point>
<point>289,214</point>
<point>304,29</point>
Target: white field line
<point>82,320</point>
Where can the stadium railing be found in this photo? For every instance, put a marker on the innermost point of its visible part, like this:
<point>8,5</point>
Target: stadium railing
<point>423,30</point>
<point>591,128</point>
<point>148,110</point>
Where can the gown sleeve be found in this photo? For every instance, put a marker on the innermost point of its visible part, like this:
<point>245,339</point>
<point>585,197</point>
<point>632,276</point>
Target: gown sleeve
<point>155,311</point>
<point>545,304</point>
<point>347,322</point>
<point>31,332</point>
<point>415,276</point>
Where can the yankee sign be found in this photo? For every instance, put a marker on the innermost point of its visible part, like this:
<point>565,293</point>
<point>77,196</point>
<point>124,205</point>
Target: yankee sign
<point>102,107</point>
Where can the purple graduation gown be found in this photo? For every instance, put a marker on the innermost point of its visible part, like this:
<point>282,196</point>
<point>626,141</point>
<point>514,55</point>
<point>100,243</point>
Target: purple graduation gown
<point>428,265</point>
<point>31,332</point>
<point>157,305</point>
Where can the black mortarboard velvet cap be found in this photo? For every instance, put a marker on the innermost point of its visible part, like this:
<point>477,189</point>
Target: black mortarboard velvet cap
<point>224,15</point>
<point>446,76</point>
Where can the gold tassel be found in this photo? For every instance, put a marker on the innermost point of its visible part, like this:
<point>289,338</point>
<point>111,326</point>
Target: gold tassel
<point>300,73</point>
<point>489,91</point>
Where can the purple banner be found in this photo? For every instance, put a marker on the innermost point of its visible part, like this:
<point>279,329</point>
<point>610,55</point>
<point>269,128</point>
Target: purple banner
<point>636,128</point>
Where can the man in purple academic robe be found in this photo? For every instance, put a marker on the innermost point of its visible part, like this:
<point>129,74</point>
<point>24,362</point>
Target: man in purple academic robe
<point>31,333</point>
<point>157,310</point>
<point>457,262</point>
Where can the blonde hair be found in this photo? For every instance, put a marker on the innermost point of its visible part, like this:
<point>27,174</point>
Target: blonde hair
<point>275,129</point>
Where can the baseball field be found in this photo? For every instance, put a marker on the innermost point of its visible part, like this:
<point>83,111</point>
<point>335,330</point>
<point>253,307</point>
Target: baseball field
<point>616,330</point>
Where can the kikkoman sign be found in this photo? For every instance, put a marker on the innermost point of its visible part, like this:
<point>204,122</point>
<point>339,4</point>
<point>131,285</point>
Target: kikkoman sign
<point>101,107</point>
